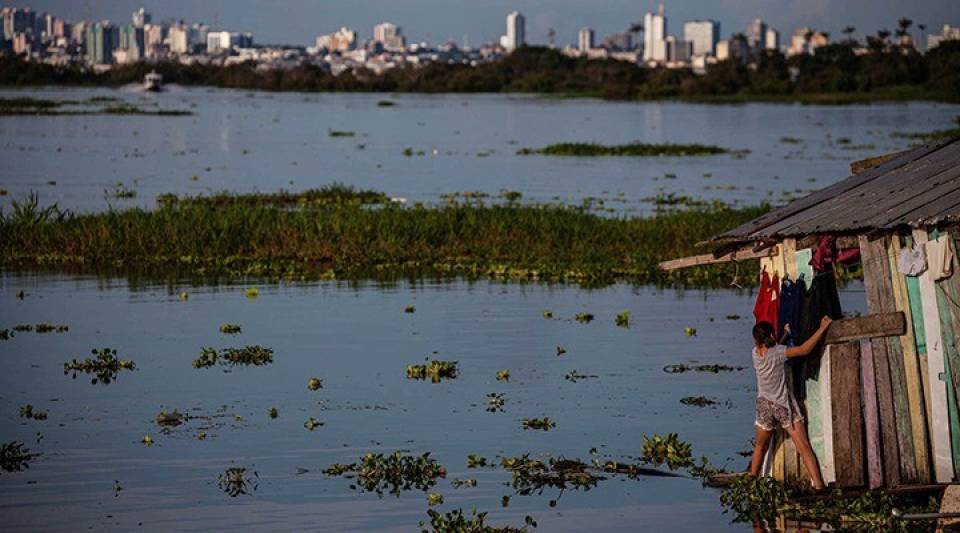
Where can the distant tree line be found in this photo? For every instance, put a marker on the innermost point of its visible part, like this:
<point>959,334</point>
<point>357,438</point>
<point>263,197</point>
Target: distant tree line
<point>884,71</point>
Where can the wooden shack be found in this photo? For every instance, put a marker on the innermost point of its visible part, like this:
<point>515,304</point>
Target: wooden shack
<point>883,409</point>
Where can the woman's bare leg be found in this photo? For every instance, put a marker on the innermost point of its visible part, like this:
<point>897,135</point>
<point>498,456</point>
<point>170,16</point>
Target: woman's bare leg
<point>799,435</point>
<point>759,449</point>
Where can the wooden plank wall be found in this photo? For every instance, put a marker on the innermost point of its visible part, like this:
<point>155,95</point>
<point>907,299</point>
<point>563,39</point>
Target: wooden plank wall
<point>948,297</point>
<point>896,430</point>
<point>847,416</point>
<point>912,368</point>
<point>936,374</point>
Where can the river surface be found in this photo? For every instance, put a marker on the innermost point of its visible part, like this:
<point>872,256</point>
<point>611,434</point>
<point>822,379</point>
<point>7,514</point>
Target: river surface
<point>244,141</point>
<point>359,340</point>
<point>94,471</point>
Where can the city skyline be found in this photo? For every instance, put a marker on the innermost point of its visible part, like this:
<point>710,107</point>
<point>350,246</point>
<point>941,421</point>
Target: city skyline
<point>435,22</point>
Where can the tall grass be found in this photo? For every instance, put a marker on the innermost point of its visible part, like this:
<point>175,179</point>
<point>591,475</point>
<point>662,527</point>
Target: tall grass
<point>349,241</point>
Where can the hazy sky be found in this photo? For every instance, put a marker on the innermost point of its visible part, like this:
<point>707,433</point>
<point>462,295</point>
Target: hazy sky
<point>299,21</point>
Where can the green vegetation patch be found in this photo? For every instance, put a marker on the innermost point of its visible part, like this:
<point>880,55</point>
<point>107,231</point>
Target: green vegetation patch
<point>237,481</point>
<point>435,371</point>
<point>14,456</point>
<point>544,424</point>
<point>392,474</point>
<point>248,356</point>
<point>667,449</point>
<point>104,365</point>
<point>27,411</point>
<point>631,149</point>
<point>329,195</point>
<point>456,521</point>
<point>259,235</point>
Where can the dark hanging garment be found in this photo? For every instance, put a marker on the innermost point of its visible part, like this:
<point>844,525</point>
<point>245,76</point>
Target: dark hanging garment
<point>792,295</point>
<point>822,300</point>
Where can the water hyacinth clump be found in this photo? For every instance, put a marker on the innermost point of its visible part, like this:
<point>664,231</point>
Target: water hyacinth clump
<point>630,149</point>
<point>495,402</point>
<point>476,461</point>
<point>171,418</point>
<point>532,475</point>
<point>104,365</point>
<point>544,424</point>
<point>27,411</point>
<point>236,481</point>
<point>667,449</point>
<point>314,384</point>
<point>230,329</point>
<point>456,521</point>
<point>584,318</point>
<point>248,356</point>
<point>623,319</point>
<point>392,473</point>
<point>435,371</point>
<point>14,456</point>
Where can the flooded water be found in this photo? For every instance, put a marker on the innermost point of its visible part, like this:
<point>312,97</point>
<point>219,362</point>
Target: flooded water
<point>359,340</point>
<point>95,472</point>
<point>244,141</point>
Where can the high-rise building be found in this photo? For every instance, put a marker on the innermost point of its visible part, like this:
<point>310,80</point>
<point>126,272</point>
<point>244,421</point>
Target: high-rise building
<point>585,39</point>
<point>772,39</point>
<point>516,31</point>
<point>756,33</point>
<point>704,35</point>
<point>141,18</point>
<point>806,41</point>
<point>655,31</point>
<point>132,41</point>
<point>226,41</point>
<point>178,39</point>
<point>153,35</point>
<point>101,41</point>
<point>618,42</point>
<point>18,20</point>
<point>949,33</point>
<point>390,36</point>
<point>678,51</point>
<point>341,40</point>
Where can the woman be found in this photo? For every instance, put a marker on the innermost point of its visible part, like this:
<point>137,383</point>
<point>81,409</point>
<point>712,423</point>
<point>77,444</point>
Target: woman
<point>776,406</point>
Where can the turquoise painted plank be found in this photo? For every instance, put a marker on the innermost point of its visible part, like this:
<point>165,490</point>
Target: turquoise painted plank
<point>916,307</point>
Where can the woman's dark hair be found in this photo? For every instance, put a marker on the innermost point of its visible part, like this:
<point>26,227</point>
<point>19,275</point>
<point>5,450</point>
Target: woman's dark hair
<point>762,332</point>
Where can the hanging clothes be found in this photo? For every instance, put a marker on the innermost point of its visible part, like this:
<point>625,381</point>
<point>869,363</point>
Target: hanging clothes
<point>824,255</point>
<point>940,257</point>
<point>822,300</point>
<point>792,296</point>
<point>767,307</point>
<point>912,261</point>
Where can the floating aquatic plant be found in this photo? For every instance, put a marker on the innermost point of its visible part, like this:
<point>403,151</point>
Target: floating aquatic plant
<point>14,456</point>
<point>667,449</point>
<point>340,133</point>
<point>409,309</point>
<point>495,402</point>
<point>392,473</point>
<point>698,401</point>
<point>171,419</point>
<point>460,483</point>
<point>248,355</point>
<point>105,366</point>
<point>574,376</point>
<point>503,375</point>
<point>434,498</point>
<point>435,371</point>
<point>561,350</point>
<point>43,327</point>
<point>252,292</point>
<point>230,329</point>
<point>386,103</point>
<point>548,314</point>
<point>314,384</point>
<point>538,423</point>
<point>476,461</point>
<point>237,481</point>
<point>715,368</point>
<point>456,521</point>
<point>147,440</point>
<point>584,318</point>
<point>631,149</point>
<point>533,476</point>
<point>312,423</point>
<point>273,413</point>
<point>690,332</point>
<point>27,411</point>
<point>623,319</point>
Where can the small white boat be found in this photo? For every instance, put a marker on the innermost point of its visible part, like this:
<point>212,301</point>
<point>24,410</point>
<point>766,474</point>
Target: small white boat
<point>153,82</point>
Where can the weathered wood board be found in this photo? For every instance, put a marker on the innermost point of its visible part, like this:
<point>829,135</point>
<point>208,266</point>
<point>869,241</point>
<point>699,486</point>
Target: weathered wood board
<point>847,416</point>
<point>911,364</point>
<point>871,420</point>
<point>873,257</point>
<point>866,327</point>
<point>948,291</point>
<point>940,425</point>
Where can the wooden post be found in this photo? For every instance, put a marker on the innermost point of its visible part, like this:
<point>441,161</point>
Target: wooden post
<point>871,421</point>
<point>874,258</point>
<point>847,415</point>
<point>942,452</point>
<point>911,364</point>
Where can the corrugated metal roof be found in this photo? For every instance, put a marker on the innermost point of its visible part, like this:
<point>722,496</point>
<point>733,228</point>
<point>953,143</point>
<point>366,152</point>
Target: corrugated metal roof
<point>919,188</point>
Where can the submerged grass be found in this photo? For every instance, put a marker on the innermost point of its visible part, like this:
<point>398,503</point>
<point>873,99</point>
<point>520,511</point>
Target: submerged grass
<point>629,149</point>
<point>333,236</point>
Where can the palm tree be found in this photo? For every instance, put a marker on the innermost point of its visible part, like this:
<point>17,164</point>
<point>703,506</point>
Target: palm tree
<point>904,28</point>
<point>849,31</point>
